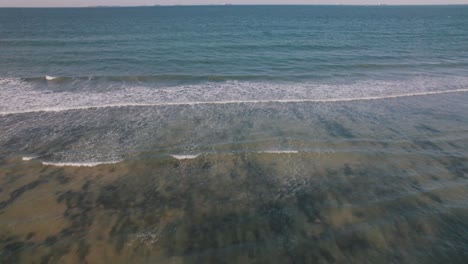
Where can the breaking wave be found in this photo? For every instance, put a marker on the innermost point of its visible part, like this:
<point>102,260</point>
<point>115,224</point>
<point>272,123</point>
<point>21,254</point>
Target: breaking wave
<point>79,164</point>
<point>22,96</point>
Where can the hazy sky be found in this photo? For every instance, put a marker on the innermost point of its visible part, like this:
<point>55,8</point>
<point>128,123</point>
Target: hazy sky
<point>62,3</point>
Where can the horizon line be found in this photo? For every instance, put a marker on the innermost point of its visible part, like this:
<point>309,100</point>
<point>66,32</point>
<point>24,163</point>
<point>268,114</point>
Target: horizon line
<point>228,5</point>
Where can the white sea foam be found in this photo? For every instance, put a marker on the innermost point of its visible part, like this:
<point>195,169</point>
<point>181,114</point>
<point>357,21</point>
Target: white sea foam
<point>18,96</point>
<point>50,78</point>
<point>227,102</point>
<point>27,158</point>
<point>79,164</point>
<point>280,152</point>
<point>185,157</point>
<point>178,157</point>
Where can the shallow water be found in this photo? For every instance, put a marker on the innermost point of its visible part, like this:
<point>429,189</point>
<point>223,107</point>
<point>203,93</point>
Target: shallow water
<point>137,155</point>
<point>375,181</point>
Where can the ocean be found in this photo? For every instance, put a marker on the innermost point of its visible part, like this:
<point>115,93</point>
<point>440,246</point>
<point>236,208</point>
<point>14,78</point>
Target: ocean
<point>234,134</point>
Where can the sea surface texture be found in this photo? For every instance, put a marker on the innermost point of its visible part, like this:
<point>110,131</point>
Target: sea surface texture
<point>234,134</point>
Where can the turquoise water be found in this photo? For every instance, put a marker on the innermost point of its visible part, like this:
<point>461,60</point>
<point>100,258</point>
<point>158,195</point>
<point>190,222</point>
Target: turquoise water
<point>234,134</point>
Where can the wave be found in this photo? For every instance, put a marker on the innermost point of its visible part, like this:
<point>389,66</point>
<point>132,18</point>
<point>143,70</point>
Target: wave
<point>194,79</point>
<point>267,101</point>
<point>182,157</point>
<point>178,157</point>
<point>158,78</point>
<point>279,152</point>
<point>185,157</point>
<point>18,96</point>
<point>79,164</point>
<point>50,78</point>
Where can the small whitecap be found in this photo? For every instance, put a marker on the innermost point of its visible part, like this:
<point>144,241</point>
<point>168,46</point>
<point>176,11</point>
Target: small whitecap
<point>185,157</point>
<point>280,152</point>
<point>78,164</point>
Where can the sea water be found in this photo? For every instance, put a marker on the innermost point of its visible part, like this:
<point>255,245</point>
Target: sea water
<point>234,134</point>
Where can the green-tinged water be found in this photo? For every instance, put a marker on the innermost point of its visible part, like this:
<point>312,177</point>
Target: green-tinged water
<point>234,135</point>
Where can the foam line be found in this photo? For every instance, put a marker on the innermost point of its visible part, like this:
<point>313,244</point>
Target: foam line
<point>279,152</point>
<point>78,164</point>
<point>185,157</point>
<point>227,102</point>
